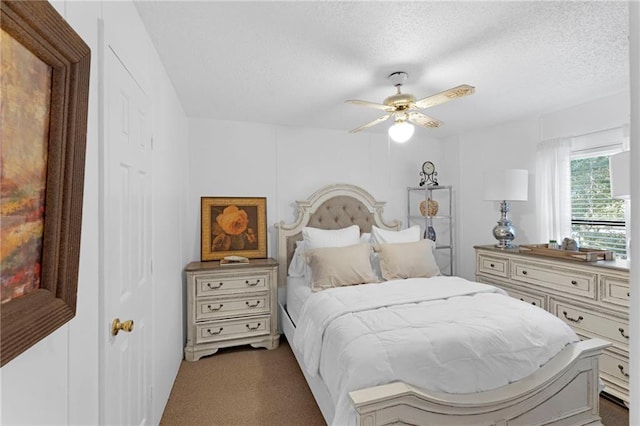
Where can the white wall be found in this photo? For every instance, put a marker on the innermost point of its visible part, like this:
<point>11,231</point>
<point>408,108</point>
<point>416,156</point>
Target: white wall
<point>59,375</point>
<point>508,146</point>
<point>286,164</point>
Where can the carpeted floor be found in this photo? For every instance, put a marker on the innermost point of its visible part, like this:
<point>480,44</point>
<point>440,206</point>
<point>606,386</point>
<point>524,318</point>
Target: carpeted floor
<point>246,386</point>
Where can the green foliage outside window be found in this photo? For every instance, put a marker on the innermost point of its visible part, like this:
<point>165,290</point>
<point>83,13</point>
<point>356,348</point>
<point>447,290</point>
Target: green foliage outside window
<point>597,220</point>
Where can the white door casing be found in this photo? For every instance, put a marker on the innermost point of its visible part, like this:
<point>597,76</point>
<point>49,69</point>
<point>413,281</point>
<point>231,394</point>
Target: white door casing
<point>125,364</point>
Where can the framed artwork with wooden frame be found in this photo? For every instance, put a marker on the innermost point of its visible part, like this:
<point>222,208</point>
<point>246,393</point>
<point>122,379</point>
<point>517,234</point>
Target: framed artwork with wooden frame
<point>44,93</point>
<point>233,227</point>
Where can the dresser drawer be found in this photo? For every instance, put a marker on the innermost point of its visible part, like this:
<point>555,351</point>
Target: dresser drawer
<point>237,306</point>
<point>493,266</point>
<point>233,329</point>
<point>221,284</point>
<point>614,290</point>
<point>607,327</point>
<point>614,368</point>
<point>555,277</point>
<point>538,300</point>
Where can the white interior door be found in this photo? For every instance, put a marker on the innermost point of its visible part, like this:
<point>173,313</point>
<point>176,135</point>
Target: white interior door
<point>126,247</point>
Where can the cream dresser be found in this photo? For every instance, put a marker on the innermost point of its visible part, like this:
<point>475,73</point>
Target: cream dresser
<point>231,305</point>
<point>592,297</point>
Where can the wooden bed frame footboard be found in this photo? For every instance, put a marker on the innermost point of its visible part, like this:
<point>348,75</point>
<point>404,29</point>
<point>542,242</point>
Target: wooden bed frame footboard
<point>565,391</point>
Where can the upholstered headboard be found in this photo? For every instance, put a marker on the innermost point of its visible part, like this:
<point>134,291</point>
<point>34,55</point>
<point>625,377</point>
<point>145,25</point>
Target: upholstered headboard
<point>332,207</point>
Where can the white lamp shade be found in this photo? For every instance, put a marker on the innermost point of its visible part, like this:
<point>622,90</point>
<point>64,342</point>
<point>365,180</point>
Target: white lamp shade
<point>401,131</point>
<point>619,165</point>
<point>506,185</point>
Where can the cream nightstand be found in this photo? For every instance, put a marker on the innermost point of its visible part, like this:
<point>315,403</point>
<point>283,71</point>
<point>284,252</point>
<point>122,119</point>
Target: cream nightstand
<point>231,305</point>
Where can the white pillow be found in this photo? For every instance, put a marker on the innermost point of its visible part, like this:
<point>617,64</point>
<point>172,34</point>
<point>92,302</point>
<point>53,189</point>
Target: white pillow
<point>298,265</point>
<point>316,238</point>
<point>385,236</point>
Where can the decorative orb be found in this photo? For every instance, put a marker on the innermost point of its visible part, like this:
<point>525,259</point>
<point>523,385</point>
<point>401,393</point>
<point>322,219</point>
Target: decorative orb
<point>429,207</point>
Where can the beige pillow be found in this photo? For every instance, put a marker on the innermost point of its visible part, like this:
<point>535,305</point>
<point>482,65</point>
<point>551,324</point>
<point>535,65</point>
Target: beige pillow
<point>339,266</point>
<point>407,260</point>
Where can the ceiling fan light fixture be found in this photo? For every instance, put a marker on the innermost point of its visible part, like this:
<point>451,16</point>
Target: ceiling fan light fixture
<point>401,131</point>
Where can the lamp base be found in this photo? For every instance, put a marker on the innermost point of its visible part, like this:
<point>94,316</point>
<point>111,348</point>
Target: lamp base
<point>504,232</point>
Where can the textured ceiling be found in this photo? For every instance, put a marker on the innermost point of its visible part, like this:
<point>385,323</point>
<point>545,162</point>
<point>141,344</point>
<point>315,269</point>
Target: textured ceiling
<point>295,63</point>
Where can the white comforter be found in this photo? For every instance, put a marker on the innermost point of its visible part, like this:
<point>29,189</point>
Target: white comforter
<point>444,333</point>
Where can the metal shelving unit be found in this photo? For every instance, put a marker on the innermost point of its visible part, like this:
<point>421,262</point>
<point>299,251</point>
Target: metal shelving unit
<point>441,223</point>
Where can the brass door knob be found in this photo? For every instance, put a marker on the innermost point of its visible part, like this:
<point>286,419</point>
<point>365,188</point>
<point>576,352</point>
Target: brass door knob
<point>116,326</point>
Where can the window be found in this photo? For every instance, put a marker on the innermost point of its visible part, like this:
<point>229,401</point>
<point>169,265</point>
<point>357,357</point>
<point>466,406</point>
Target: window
<point>597,220</point>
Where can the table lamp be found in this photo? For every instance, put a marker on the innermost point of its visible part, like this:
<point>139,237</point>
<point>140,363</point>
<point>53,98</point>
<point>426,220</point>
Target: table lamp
<point>504,186</point>
<point>619,172</point>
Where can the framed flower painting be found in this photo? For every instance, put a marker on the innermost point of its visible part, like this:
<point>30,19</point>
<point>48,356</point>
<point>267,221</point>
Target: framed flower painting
<point>233,227</point>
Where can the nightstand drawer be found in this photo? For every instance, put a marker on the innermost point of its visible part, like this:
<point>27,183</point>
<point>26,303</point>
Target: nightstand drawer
<point>493,266</point>
<point>227,307</point>
<point>614,290</point>
<point>233,329</point>
<point>221,284</point>
<point>609,328</point>
<point>554,277</point>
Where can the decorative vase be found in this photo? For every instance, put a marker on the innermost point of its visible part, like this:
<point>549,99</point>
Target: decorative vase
<point>429,207</point>
<point>430,233</point>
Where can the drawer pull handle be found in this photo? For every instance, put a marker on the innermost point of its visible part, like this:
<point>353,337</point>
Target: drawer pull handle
<point>492,265</point>
<point>213,333</point>
<point>252,284</point>
<point>574,282</point>
<point>533,303</point>
<point>253,305</point>
<point>621,367</point>
<point>212,287</point>
<point>215,309</point>
<point>524,272</point>
<point>628,294</point>
<point>621,330</point>
<point>255,327</point>
<point>572,319</point>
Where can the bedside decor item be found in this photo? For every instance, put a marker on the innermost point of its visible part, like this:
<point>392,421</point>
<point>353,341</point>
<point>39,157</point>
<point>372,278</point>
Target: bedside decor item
<point>45,68</point>
<point>505,186</point>
<point>233,227</point>
<point>428,174</point>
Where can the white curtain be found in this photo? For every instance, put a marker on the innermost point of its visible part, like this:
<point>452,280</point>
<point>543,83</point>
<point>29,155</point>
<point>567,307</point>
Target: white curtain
<point>553,189</point>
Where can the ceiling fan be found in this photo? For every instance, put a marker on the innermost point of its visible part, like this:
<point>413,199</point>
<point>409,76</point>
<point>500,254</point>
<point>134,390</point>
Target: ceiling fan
<point>404,108</point>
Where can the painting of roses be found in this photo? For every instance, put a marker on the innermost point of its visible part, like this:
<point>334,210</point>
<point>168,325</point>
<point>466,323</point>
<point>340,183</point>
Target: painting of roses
<point>233,226</point>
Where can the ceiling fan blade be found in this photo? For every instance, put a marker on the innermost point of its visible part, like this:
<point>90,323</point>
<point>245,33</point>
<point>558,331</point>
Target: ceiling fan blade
<point>383,107</point>
<point>423,120</point>
<point>372,123</point>
<point>446,96</point>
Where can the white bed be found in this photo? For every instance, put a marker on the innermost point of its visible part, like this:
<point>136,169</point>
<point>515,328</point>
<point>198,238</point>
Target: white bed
<point>353,388</point>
